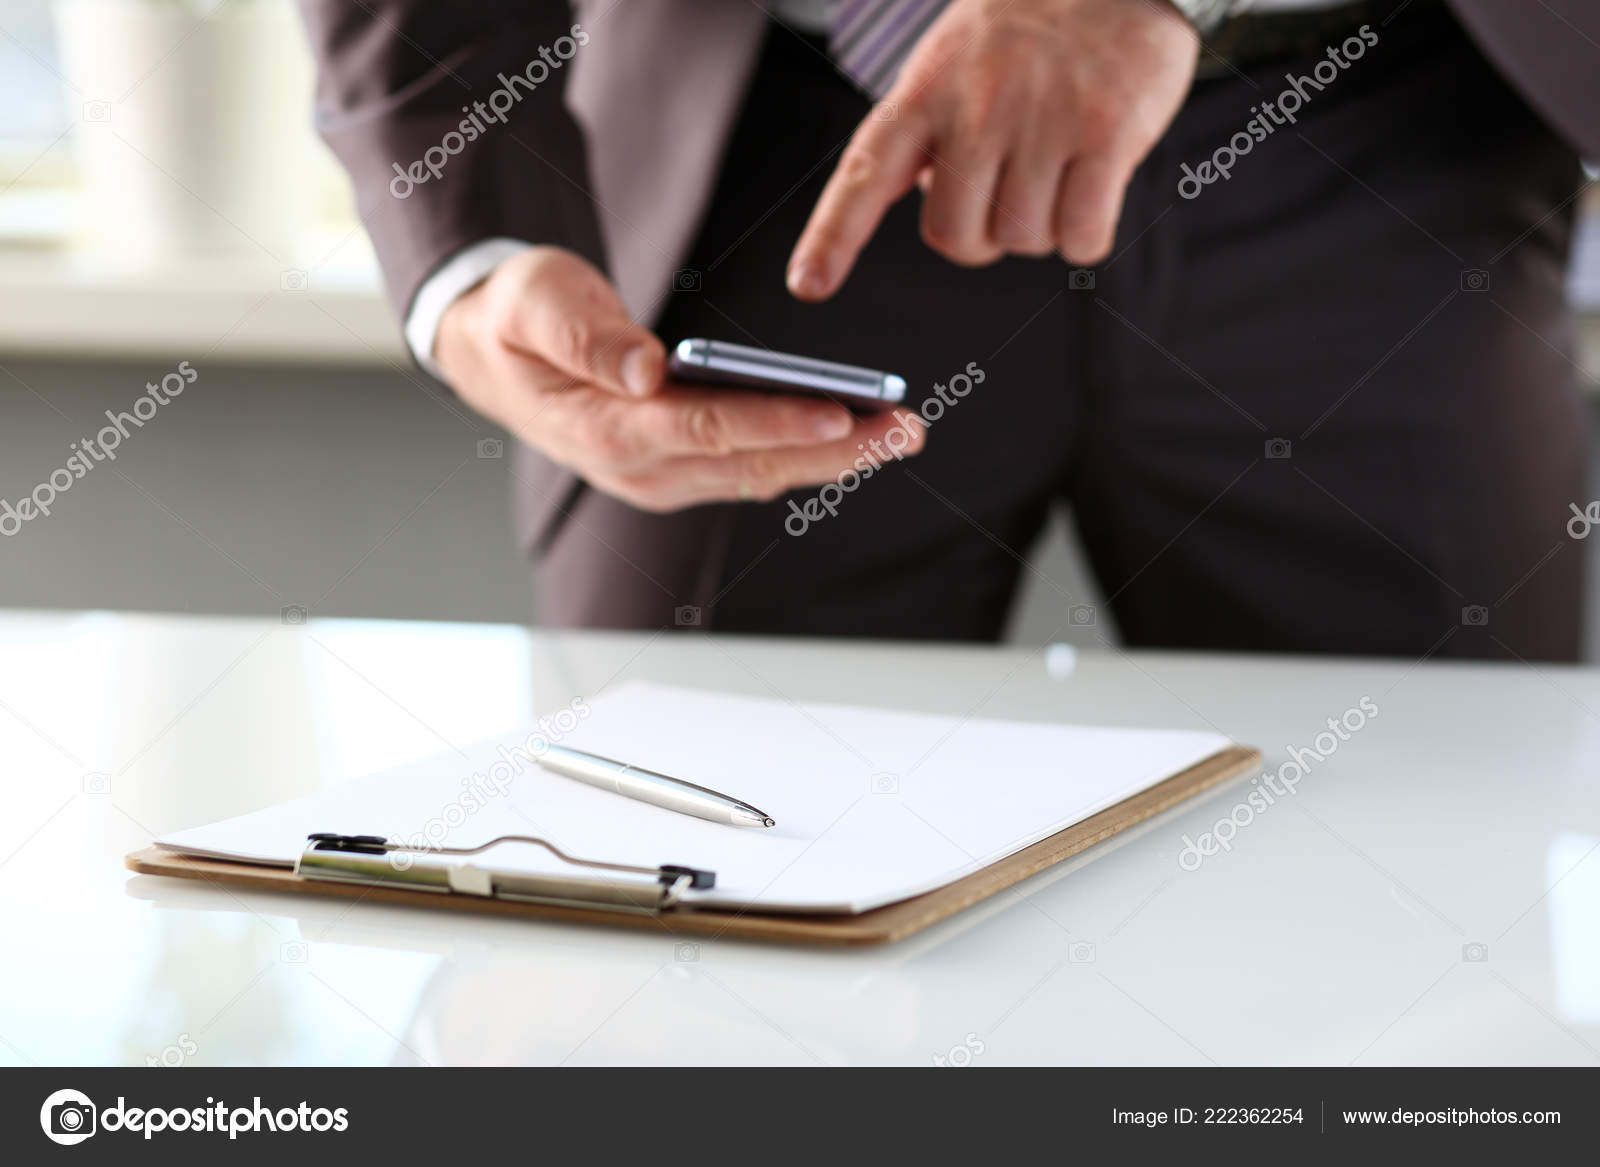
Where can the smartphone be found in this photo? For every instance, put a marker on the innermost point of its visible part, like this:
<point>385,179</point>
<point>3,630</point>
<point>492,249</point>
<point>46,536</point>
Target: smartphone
<point>716,362</point>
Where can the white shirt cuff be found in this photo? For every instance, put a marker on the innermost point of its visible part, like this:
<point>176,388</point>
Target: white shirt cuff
<point>463,271</point>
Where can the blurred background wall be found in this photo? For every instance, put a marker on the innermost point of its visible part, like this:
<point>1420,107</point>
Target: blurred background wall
<point>162,199</point>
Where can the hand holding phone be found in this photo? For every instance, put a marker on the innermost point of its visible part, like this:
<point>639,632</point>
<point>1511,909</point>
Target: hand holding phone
<point>546,348</point>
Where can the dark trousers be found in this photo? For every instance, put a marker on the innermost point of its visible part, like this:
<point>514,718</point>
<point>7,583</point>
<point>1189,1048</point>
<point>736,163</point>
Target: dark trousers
<point>1328,405</point>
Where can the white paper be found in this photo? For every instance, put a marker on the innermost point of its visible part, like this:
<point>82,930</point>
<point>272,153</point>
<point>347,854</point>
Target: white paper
<point>872,806</point>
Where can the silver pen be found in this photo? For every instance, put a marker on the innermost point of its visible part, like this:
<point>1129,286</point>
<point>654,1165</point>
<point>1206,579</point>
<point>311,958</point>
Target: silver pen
<point>656,789</point>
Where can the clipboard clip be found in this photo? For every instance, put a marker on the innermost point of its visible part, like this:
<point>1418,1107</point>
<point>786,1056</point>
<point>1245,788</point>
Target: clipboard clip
<point>374,861</point>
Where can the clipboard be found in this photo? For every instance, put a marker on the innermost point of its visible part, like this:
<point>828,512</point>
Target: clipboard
<point>882,925</point>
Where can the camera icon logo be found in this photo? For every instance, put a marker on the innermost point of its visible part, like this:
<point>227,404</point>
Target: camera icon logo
<point>685,952</point>
<point>1474,279</point>
<point>1475,952</point>
<point>1081,615</point>
<point>97,782</point>
<point>294,280</point>
<point>686,279</point>
<point>293,614</point>
<point>1080,279</point>
<point>97,111</point>
<point>293,952</point>
<point>1475,616</point>
<point>884,783</point>
<point>1081,952</point>
<point>491,448</point>
<point>1279,448</point>
<point>68,1117</point>
<point>686,616</point>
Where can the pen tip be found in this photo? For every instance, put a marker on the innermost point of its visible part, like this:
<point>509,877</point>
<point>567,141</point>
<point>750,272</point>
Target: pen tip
<point>769,823</point>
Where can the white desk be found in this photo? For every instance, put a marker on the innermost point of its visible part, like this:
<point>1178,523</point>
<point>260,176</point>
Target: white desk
<point>1466,812</point>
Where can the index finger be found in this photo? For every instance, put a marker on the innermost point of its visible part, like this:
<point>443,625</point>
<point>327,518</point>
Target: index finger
<point>877,169</point>
<point>685,420</point>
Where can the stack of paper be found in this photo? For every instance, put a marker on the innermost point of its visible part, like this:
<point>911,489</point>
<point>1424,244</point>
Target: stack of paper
<point>872,806</point>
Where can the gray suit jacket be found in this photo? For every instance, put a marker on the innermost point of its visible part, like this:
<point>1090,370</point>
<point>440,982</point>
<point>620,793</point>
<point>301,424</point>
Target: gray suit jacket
<point>615,155</point>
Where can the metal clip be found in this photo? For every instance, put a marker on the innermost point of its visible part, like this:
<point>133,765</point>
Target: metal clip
<point>374,861</point>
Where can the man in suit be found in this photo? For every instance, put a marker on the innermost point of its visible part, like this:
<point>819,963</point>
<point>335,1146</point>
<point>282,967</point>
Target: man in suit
<point>1270,294</point>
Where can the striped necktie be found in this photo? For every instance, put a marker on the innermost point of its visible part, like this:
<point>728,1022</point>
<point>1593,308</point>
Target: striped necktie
<point>870,39</point>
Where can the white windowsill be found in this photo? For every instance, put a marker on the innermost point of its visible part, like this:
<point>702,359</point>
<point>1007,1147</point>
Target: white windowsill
<point>57,303</point>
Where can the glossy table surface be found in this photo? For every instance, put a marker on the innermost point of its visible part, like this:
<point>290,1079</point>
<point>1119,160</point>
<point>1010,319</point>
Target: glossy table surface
<point>1427,892</point>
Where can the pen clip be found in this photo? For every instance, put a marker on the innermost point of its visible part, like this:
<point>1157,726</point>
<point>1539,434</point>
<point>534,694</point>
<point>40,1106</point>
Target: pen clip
<point>375,861</point>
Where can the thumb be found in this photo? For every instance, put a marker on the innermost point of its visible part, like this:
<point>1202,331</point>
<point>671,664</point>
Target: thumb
<point>569,316</point>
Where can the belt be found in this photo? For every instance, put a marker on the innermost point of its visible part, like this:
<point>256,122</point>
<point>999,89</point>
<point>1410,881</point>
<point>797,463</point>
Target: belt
<point>1249,40</point>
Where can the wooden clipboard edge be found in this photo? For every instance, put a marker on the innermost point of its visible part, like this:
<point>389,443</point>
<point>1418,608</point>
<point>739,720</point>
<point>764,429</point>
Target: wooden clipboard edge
<point>880,926</point>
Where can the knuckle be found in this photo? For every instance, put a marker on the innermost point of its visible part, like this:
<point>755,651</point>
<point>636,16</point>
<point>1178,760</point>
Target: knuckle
<point>762,475</point>
<point>1074,220</point>
<point>1016,226</point>
<point>1085,242</point>
<point>913,100</point>
<point>545,270</point>
<point>858,167</point>
<point>939,234</point>
<point>521,281</point>
<point>954,245</point>
<point>573,337</point>
<point>518,277</point>
<point>1098,119</point>
<point>534,264</point>
<point>767,491</point>
<point>1030,243</point>
<point>706,429</point>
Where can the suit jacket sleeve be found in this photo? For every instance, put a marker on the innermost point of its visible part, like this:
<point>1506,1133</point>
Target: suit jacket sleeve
<point>392,78</point>
<point>1550,51</point>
